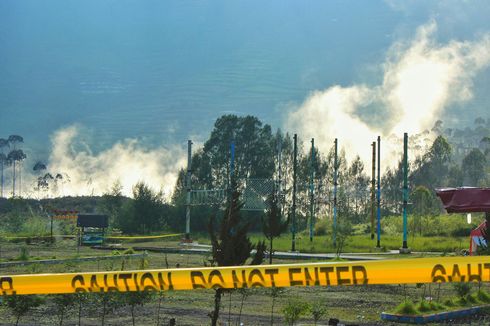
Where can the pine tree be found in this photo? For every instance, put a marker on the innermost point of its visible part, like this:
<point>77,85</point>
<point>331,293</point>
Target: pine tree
<point>272,223</point>
<point>230,244</point>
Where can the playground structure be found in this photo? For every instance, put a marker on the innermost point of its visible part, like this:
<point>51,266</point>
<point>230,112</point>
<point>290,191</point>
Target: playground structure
<point>255,192</point>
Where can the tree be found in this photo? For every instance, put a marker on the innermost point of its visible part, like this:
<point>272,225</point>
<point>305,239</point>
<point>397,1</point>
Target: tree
<point>474,166</point>
<point>139,298</point>
<point>274,293</point>
<point>111,202</point>
<point>318,310</point>
<point>344,230</point>
<point>3,160</point>
<point>294,310</point>
<point>108,301</point>
<point>39,168</point>
<point>253,157</point>
<point>485,144</point>
<point>145,213</point>
<point>272,224</point>
<point>16,155</point>
<point>358,190</point>
<point>424,203</point>
<point>63,302</point>
<point>431,170</point>
<point>22,304</point>
<point>230,243</point>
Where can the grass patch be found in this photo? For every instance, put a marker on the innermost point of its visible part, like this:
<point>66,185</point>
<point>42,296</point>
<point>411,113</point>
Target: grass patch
<point>424,306</point>
<point>483,296</point>
<point>470,298</point>
<point>363,243</point>
<point>435,306</point>
<point>406,308</point>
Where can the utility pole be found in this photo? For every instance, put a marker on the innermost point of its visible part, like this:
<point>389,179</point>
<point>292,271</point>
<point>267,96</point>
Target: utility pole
<point>335,175</point>
<point>404,249</point>
<point>188,190</point>
<point>373,186</point>
<point>293,213</point>
<point>378,213</point>
<point>312,187</point>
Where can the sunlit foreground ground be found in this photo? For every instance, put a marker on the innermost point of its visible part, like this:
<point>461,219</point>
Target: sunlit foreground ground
<point>361,304</point>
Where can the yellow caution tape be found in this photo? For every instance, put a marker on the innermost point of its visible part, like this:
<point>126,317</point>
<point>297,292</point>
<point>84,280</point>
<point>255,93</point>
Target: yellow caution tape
<point>42,236</point>
<point>401,271</point>
<point>110,237</point>
<point>146,237</point>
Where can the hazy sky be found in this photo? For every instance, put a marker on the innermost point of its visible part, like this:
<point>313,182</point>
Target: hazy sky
<point>163,71</point>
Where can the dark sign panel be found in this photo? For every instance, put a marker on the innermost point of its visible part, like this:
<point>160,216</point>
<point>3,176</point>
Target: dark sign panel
<point>92,220</point>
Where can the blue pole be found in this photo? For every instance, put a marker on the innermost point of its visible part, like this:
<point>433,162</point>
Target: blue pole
<point>378,195</point>
<point>232,161</point>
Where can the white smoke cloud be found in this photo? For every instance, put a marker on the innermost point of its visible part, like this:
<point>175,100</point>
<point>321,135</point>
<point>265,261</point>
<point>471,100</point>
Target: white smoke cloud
<point>126,162</point>
<point>421,78</point>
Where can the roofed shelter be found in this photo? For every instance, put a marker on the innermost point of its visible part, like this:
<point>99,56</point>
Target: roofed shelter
<point>468,200</point>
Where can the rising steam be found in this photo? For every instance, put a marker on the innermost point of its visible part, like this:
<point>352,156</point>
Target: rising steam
<point>126,162</point>
<point>421,79</point>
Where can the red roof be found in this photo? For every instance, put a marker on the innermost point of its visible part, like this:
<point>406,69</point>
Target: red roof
<point>465,200</point>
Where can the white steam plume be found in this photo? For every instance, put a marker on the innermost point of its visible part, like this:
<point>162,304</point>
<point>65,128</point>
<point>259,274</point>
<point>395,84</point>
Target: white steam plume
<point>421,78</point>
<point>126,162</point>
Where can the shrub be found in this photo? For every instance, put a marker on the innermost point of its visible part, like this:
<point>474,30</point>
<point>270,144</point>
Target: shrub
<point>128,251</point>
<point>462,289</point>
<point>436,306</point>
<point>449,303</point>
<point>471,299</point>
<point>318,310</point>
<point>424,306</point>
<point>322,227</point>
<point>483,296</point>
<point>24,254</point>
<point>406,308</point>
<point>21,304</point>
<point>294,310</point>
<point>462,301</point>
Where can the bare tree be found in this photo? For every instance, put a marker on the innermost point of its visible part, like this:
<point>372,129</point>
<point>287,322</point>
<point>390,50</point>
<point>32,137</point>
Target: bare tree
<point>3,160</point>
<point>15,155</point>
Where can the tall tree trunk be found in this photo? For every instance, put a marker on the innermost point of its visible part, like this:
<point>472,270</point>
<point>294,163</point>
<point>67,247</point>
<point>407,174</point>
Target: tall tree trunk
<point>61,317</point>
<point>270,253</point>
<point>241,308</point>
<point>159,306</point>
<point>272,310</point>
<point>217,303</point>
<point>103,311</point>
<point>20,179</point>
<point>2,181</point>
<point>229,311</point>
<point>132,313</point>
<point>80,312</point>
<point>13,182</point>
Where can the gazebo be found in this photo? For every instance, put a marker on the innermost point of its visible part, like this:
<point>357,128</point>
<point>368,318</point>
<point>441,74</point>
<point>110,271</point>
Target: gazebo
<point>468,200</point>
